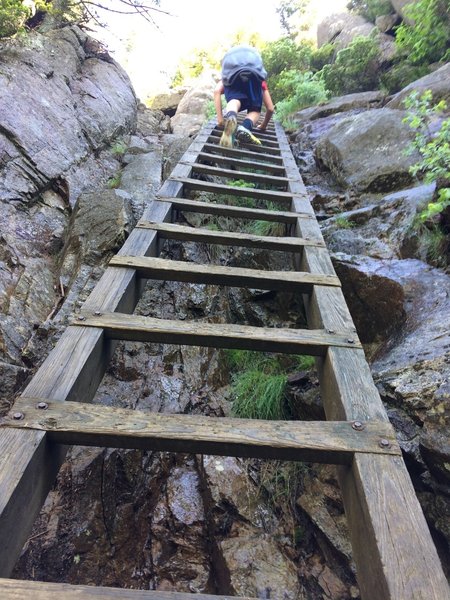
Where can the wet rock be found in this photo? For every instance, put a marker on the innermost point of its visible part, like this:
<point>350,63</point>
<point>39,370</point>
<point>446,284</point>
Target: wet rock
<point>260,569</point>
<point>378,135</point>
<point>376,301</point>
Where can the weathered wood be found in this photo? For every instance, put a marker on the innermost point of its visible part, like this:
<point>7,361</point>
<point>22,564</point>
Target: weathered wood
<point>244,175</point>
<point>229,190</point>
<point>172,270</point>
<point>266,141</point>
<point>257,149</point>
<point>240,164</point>
<point>257,157</point>
<point>217,335</point>
<point>225,238</point>
<point>13,589</point>
<point>227,210</point>
<point>72,370</point>
<point>333,442</point>
<point>393,550</point>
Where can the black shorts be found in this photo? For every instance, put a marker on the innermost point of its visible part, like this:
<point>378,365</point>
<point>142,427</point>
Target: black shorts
<point>249,93</point>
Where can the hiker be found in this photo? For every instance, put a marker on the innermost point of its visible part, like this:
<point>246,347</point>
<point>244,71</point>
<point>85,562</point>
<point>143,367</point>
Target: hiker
<point>243,83</point>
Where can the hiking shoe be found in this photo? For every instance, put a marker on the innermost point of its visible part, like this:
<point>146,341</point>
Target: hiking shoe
<point>227,138</point>
<point>246,136</point>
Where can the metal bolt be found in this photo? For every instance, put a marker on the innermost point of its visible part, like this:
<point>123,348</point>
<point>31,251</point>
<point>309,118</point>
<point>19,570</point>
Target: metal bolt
<point>350,341</point>
<point>357,425</point>
<point>17,416</point>
<point>42,405</point>
<point>81,318</point>
<point>331,331</point>
<point>384,443</point>
<point>98,313</point>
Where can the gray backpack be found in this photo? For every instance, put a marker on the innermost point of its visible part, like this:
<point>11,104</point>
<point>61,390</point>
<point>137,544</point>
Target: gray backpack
<point>243,62</point>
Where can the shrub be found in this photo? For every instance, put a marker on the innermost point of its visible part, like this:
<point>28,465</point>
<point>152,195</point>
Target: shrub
<point>13,15</point>
<point>427,39</point>
<point>355,68</point>
<point>322,56</point>
<point>300,90</point>
<point>400,75</point>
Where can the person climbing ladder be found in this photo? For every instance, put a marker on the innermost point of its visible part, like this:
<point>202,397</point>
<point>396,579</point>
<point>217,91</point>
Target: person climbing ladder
<point>243,83</point>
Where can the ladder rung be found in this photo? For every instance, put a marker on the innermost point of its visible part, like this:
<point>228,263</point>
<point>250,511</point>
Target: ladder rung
<point>244,175</point>
<point>227,210</point>
<point>229,161</point>
<point>172,270</point>
<point>229,238</point>
<point>255,148</point>
<point>229,190</point>
<point>136,328</point>
<point>332,442</point>
<point>14,589</point>
<point>266,142</point>
<point>243,153</point>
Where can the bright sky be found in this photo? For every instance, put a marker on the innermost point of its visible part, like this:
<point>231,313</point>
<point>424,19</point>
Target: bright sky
<point>150,55</point>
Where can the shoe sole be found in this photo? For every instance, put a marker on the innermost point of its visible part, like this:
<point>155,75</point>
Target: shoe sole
<point>228,133</point>
<point>247,138</point>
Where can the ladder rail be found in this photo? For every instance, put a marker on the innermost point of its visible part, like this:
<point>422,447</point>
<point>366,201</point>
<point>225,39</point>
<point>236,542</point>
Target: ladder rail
<point>383,512</point>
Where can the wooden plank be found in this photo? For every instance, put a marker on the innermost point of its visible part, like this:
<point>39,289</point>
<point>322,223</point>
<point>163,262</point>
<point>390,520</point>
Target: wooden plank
<point>257,149</point>
<point>266,141</point>
<point>244,175</point>
<point>172,270</point>
<point>240,164</point>
<point>13,589</point>
<point>217,335</point>
<point>73,369</point>
<point>239,212</point>
<point>229,190</point>
<point>393,550</point>
<point>332,442</point>
<point>257,157</point>
<point>210,236</point>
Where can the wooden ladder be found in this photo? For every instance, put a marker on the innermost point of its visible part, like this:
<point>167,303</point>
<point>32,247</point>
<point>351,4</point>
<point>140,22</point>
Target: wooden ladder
<point>392,547</point>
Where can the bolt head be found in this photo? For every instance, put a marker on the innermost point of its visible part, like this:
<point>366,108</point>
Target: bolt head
<point>18,416</point>
<point>42,405</point>
<point>357,425</point>
<point>81,318</point>
<point>350,341</point>
<point>98,313</point>
<point>384,443</point>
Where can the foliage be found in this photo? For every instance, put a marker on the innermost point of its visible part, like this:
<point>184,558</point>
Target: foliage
<point>259,383</point>
<point>13,15</point>
<point>300,90</point>
<point>284,55</point>
<point>400,75</point>
<point>355,68</point>
<point>343,223</point>
<point>114,182</point>
<point>434,149</point>
<point>119,148</point>
<point>370,9</point>
<point>291,13</point>
<point>427,38</point>
<point>321,57</point>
